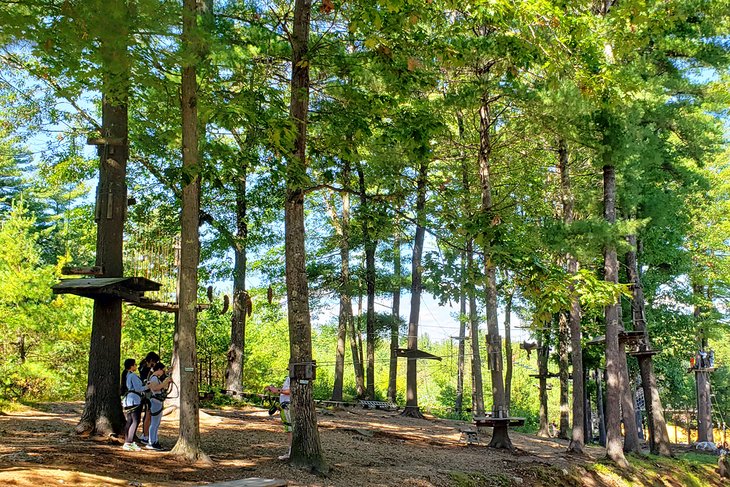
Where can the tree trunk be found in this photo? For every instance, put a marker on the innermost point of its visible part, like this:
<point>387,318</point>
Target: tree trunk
<point>658,435</point>
<point>356,356</point>
<point>370,246</point>
<point>601,409</point>
<point>614,383</point>
<point>188,443</point>
<point>563,336</point>
<point>412,408</point>
<point>500,436</point>
<point>102,415</point>
<point>234,367</point>
<point>702,378</point>
<point>345,316</point>
<point>477,387</point>
<point>458,404</point>
<point>579,431</point>
<point>394,328</point>
<point>306,450</point>
<point>543,352</point>
<point>508,352</point>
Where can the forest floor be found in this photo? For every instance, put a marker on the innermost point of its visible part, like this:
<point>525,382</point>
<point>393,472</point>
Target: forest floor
<point>362,447</point>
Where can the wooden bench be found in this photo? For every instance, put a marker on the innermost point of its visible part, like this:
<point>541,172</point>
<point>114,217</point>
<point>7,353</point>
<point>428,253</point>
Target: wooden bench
<point>387,406</point>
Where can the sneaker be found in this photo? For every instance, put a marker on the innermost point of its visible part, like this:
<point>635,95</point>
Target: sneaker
<point>143,440</point>
<point>154,446</point>
<point>131,447</point>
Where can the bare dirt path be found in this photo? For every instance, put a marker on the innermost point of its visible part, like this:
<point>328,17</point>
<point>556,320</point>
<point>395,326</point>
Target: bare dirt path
<point>38,448</point>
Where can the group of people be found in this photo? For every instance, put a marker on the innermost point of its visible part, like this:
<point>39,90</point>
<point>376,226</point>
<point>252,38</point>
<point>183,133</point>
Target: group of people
<point>143,393</point>
<point>703,360</point>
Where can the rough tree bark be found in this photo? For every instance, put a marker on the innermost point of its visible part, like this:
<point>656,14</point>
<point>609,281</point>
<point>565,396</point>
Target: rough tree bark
<point>477,385</point>
<point>658,435</point>
<point>393,369</point>
<point>578,436</point>
<point>543,351</point>
<point>370,246</point>
<point>477,389</point>
<point>234,366</point>
<point>702,378</point>
<point>509,366</point>
<point>500,435</point>
<point>345,316</point>
<point>412,409</point>
<point>614,443</point>
<point>188,443</point>
<point>563,365</point>
<point>102,415</point>
<point>306,449</point>
<point>458,403</point>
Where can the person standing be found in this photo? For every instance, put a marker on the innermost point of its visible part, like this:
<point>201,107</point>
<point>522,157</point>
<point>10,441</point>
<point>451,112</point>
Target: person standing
<point>284,410</point>
<point>158,388</point>
<point>132,392</point>
<point>145,372</point>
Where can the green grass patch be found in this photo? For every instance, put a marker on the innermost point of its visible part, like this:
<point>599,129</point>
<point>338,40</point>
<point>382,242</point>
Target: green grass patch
<point>687,470</point>
<point>477,479</point>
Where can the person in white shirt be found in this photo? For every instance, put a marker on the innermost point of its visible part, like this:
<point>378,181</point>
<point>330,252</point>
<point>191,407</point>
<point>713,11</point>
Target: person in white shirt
<point>284,411</point>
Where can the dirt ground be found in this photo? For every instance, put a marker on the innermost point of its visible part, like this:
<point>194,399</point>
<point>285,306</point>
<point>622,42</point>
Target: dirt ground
<point>362,447</point>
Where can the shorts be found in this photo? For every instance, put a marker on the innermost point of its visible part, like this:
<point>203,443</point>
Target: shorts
<point>285,414</point>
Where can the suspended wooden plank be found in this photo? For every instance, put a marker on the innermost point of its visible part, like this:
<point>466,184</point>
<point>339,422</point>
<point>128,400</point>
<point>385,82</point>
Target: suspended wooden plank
<point>97,271</point>
<point>415,354</point>
<point>164,307</point>
<point>643,353</point>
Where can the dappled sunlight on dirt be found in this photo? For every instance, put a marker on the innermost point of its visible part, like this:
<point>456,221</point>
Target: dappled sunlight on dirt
<point>362,447</point>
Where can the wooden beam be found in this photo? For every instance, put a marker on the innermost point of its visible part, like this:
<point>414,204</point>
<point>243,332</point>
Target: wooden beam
<point>83,271</point>
<point>106,141</point>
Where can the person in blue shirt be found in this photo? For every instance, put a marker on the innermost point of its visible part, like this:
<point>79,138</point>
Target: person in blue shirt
<point>132,393</point>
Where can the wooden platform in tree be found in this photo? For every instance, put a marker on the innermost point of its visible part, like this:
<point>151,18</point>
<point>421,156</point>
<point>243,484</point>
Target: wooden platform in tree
<point>703,369</point>
<point>643,353</point>
<point>250,482</point>
<point>129,289</point>
<point>549,375</point>
<point>626,337</point>
<point>415,354</point>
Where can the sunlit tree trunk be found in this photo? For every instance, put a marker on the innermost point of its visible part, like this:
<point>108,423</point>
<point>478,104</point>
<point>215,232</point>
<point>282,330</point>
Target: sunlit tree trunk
<point>102,415</point>
<point>188,443</point>
<point>614,443</point>
<point>563,365</point>
<point>412,408</point>
<point>543,351</point>
<point>345,316</point>
<point>234,367</point>
<point>658,435</point>
<point>458,403</point>
<point>306,449</point>
<point>577,440</point>
<point>500,436</point>
<point>394,331</point>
